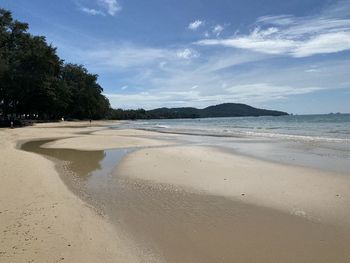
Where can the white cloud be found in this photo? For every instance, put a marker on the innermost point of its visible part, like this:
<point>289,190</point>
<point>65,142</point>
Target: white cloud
<point>125,56</point>
<point>195,24</point>
<point>124,87</point>
<point>187,53</point>
<point>311,70</point>
<point>323,44</point>
<point>255,41</point>
<point>218,29</point>
<point>111,6</point>
<point>267,90</point>
<point>279,20</point>
<point>293,36</point>
<point>92,11</point>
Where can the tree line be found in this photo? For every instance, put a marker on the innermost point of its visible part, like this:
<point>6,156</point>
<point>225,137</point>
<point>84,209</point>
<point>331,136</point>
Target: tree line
<point>36,83</point>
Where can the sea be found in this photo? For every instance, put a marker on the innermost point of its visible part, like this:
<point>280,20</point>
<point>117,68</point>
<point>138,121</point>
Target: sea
<point>327,127</point>
<point>316,141</point>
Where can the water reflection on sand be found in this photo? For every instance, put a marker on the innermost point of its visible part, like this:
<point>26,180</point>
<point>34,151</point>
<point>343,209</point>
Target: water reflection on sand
<point>178,226</point>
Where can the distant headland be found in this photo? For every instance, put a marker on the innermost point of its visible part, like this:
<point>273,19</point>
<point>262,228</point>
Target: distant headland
<point>220,110</point>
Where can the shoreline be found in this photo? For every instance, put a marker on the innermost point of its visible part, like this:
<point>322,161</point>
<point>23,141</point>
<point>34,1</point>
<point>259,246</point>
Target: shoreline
<point>308,154</point>
<point>261,135</point>
<point>164,167</point>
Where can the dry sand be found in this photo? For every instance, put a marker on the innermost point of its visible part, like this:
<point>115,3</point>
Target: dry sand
<point>246,210</point>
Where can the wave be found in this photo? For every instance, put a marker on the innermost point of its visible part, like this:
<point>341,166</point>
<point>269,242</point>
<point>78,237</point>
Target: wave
<point>298,137</point>
<point>230,133</point>
<point>162,126</point>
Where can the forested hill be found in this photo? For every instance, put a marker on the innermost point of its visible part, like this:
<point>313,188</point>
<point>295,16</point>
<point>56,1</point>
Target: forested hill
<point>237,110</point>
<point>221,110</point>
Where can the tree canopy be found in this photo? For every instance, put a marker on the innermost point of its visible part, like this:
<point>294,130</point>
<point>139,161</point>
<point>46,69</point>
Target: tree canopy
<point>35,82</point>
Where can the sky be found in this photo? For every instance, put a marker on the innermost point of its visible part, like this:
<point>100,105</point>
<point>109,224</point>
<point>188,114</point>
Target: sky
<point>285,55</point>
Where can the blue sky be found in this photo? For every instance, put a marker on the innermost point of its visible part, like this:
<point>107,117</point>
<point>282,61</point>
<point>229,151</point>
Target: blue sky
<point>288,55</point>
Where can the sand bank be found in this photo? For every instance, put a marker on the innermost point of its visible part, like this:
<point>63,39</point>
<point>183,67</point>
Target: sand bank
<point>241,209</point>
<point>109,139</point>
<point>316,195</point>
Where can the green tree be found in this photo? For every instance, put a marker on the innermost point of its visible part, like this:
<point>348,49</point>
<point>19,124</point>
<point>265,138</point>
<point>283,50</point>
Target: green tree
<point>12,41</point>
<point>87,93</point>
<point>34,81</point>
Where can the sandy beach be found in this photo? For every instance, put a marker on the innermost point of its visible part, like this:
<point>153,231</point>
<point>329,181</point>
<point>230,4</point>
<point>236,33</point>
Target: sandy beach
<point>161,200</point>
<point>41,221</point>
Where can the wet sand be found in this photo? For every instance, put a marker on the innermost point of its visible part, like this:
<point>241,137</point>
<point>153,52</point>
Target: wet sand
<point>188,203</point>
<point>187,227</point>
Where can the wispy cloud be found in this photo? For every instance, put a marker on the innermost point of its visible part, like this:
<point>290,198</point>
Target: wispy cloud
<point>195,25</point>
<point>187,53</point>
<point>267,90</point>
<point>124,87</point>
<point>311,70</point>
<point>218,29</point>
<point>293,36</point>
<point>103,7</point>
<point>92,11</point>
<point>111,6</point>
<point>124,56</point>
<point>279,20</point>
<point>127,56</point>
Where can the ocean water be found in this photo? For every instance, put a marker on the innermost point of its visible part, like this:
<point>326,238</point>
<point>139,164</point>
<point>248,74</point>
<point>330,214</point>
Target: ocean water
<point>328,128</point>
